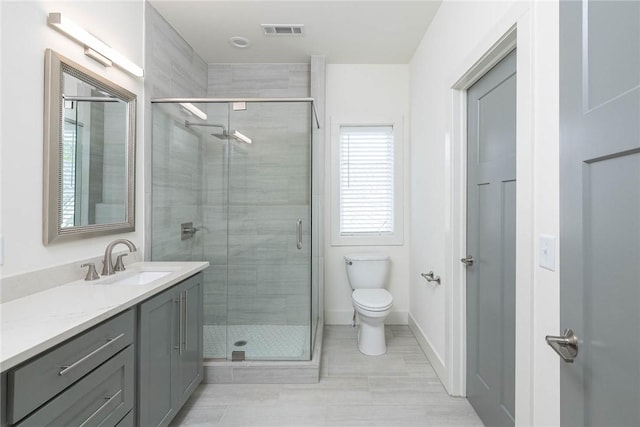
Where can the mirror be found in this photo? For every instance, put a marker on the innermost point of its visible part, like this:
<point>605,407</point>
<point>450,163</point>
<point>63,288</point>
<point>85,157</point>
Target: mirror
<point>89,149</point>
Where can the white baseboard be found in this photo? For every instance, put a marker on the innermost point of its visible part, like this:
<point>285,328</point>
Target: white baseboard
<point>344,317</point>
<point>429,351</point>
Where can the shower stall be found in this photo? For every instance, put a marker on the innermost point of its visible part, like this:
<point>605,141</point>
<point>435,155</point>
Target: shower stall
<point>232,184</point>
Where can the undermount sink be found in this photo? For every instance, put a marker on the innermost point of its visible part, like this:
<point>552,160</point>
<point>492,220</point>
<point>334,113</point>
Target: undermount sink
<point>141,278</point>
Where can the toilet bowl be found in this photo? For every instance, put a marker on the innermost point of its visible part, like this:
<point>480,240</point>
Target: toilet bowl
<point>367,274</point>
<point>372,306</point>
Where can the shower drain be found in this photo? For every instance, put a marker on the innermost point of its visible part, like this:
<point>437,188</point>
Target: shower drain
<point>240,343</point>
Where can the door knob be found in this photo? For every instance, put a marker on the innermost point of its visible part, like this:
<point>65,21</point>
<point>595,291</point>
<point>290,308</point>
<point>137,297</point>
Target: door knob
<point>566,345</point>
<point>468,260</point>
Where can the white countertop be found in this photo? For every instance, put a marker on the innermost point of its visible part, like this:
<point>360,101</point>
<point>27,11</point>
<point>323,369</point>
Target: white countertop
<point>37,322</point>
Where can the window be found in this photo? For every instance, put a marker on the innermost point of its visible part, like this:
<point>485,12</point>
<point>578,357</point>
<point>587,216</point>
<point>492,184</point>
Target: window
<point>366,180</point>
<point>367,189</point>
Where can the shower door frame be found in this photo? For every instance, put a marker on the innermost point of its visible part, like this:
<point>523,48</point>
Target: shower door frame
<point>229,101</point>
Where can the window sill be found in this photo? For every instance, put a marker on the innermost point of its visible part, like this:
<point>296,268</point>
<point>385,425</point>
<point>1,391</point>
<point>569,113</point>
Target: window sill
<point>393,240</point>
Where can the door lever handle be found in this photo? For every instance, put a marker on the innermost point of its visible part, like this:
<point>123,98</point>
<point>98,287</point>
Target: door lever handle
<point>566,345</point>
<point>468,260</point>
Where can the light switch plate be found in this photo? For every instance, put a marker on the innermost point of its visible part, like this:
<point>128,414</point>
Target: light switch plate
<point>547,255</point>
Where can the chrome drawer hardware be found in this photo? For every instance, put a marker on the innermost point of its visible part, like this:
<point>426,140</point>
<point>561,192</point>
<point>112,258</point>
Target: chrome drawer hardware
<point>89,420</point>
<point>429,277</point>
<point>182,326</point>
<point>566,345</point>
<point>179,346</point>
<point>186,308</point>
<point>67,368</point>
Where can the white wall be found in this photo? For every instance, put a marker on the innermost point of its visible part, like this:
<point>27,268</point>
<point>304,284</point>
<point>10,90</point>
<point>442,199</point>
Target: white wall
<point>545,292</point>
<point>25,36</point>
<point>457,37</point>
<point>433,66</point>
<point>361,94</point>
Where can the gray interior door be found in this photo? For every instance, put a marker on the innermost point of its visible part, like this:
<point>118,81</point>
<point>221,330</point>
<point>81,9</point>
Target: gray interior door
<point>600,210</point>
<point>491,226</point>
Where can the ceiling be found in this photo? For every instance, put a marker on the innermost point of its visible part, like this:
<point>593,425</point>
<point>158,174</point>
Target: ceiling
<point>351,32</point>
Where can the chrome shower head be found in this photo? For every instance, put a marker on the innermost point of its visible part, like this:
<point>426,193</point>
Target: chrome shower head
<point>222,135</point>
<point>238,136</point>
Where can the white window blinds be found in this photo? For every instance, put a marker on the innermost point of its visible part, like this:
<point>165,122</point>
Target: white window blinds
<point>68,171</point>
<point>366,180</point>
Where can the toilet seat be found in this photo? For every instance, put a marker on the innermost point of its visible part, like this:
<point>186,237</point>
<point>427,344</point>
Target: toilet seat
<point>372,299</point>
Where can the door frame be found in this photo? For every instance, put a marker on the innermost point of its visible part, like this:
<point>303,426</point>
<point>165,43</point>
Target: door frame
<point>515,30</point>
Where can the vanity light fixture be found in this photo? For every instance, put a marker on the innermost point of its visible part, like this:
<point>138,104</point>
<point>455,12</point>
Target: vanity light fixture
<point>94,47</point>
<point>194,110</point>
<point>97,57</point>
<point>241,137</point>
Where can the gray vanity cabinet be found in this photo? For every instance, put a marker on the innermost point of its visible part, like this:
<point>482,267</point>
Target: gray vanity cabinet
<point>170,351</point>
<point>88,380</point>
<point>190,369</point>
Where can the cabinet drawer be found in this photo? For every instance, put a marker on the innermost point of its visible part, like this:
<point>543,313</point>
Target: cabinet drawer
<point>38,380</point>
<point>129,420</point>
<point>102,398</point>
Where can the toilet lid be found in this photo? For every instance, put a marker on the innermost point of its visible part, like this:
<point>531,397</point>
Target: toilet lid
<point>372,299</point>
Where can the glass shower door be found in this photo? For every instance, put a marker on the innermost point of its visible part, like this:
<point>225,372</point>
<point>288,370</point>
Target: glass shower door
<point>268,232</point>
<point>189,185</point>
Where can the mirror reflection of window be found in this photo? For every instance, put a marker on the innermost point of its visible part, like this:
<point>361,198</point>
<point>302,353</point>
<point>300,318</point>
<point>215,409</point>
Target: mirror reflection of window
<point>69,162</point>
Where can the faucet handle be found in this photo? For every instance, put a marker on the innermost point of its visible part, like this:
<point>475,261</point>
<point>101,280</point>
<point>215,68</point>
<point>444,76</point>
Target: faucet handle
<point>119,264</point>
<point>92,274</point>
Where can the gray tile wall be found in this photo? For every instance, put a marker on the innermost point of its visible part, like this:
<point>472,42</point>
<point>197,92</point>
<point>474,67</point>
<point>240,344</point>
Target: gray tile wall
<point>254,271</point>
<point>258,80</point>
<point>268,278</point>
<point>112,195</point>
<point>172,69</point>
<point>177,187</point>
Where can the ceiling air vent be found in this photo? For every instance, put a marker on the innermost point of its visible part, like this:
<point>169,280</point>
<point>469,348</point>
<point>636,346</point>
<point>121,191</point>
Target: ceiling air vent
<point>282,29</point>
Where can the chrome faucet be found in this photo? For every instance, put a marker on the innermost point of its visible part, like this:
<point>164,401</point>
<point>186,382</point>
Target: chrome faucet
<point>107,264</point>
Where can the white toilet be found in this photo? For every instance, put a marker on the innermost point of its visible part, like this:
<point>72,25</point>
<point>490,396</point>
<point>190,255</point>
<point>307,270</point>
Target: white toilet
<point>367,274</point>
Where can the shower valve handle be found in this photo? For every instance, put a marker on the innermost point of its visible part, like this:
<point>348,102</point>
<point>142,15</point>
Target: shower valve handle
<point>187,230</point>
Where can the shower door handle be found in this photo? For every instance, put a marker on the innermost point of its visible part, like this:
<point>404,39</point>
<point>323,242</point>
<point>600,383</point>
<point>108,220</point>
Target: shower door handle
<point>299,233</point>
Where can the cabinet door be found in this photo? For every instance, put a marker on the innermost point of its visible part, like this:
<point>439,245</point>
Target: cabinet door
<point>190,370</point>
<point>157,375</point>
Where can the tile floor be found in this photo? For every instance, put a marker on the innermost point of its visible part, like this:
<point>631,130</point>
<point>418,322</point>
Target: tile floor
<point>399,388</point>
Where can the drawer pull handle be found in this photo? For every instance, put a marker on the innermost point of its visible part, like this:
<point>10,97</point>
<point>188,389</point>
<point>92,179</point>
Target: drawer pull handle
<point>89,420</point>
<point>67,368</point>
<point>181,326</point>
<point>178,347</point>
<point>186,310</point>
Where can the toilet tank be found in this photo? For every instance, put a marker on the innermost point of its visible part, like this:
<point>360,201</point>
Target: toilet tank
<point>367,270</point>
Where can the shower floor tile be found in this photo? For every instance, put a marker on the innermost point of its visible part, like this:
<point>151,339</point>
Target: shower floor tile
<point>262,342</point>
